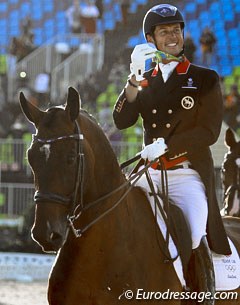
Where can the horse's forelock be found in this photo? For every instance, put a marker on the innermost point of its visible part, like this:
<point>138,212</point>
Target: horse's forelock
<point>49,119</point>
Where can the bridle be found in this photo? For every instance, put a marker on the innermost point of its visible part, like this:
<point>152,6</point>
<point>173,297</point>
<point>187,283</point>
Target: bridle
<point>236,162</point>
<point>53,197</point>
<point>233,189</point>
<point>77,206</point>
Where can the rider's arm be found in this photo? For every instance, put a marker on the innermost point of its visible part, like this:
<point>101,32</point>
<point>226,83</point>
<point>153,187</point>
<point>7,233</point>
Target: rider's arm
<point>131,89</point>
<point>126,109</point>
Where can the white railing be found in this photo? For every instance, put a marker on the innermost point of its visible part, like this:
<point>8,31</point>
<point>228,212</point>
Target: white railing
<point>13,156</point>
<point>86,60</point>
<point>42,59</point>
<point>15,198</point>
<point>49,56</point>
<point>25,267</point>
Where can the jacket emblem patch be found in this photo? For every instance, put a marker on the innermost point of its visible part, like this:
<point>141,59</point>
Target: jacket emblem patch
<point>187,102</point>
<point>189,84</point>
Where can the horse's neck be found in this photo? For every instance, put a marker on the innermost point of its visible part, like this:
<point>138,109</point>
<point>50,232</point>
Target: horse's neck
<point>123,225</point>
<point>104,179</point>
<point>117,251</point>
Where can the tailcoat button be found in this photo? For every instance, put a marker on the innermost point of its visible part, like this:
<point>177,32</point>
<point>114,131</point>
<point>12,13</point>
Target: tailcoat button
<point>154,111</point>
<point>154,125</point>
<point>168,125</point>
<point>170,111</point>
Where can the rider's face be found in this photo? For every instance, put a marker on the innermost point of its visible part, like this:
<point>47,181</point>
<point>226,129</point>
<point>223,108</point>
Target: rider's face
<point>168,38</point>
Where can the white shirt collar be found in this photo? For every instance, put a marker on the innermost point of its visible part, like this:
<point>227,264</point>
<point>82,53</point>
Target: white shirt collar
<point>167,69</point>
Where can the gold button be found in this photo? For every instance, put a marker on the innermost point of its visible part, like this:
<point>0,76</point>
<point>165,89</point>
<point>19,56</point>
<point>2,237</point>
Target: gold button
<point>154,111</point>
<point>168,125</point>
<point>170,111</point>
<point>154,125</point>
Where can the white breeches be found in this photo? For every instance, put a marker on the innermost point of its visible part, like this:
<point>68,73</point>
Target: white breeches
<point>187,191</point>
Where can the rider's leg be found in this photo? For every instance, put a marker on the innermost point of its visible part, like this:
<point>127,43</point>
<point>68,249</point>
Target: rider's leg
<point>187,191</point>
<point>200,276</point>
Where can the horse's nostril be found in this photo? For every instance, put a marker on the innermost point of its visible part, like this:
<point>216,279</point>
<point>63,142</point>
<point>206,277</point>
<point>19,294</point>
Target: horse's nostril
<point>55,236</point>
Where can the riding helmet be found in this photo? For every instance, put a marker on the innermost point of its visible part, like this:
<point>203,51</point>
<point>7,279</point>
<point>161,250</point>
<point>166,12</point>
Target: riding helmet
<point>161,14</point>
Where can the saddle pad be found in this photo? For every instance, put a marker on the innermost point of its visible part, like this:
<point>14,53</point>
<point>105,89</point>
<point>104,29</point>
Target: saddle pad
<point>227,269</point>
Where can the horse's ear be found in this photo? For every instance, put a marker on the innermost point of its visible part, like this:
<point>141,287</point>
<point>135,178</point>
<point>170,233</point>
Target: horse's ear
<point>32,113</point>
<point>73,103</point>
<point>230,140</point>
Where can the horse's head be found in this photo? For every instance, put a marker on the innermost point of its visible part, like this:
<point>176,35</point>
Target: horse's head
<point>231,176</point>
<point>69,157</point>
<point>54,159</point>
<point>231,163</point>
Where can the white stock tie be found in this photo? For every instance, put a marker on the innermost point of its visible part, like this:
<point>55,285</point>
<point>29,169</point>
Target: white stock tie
<point>165,74</point>
<point>167,69</point>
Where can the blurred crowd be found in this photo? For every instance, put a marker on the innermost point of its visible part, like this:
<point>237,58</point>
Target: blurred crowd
<point>97,98</point>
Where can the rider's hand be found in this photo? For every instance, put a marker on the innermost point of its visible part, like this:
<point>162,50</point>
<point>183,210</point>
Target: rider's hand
<point>154,150</point>
<point>139,56</point>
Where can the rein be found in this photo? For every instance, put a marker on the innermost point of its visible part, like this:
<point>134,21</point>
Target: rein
<point>75,216</point>
<point>53,197</point>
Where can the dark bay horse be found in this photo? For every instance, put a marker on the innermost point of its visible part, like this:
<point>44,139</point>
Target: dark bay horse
<point>107,243</point>
<point>120,252</point>
<point>231,175</point>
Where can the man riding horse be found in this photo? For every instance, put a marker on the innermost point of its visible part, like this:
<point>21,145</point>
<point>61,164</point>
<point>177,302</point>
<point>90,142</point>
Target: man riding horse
<point>176,100</point>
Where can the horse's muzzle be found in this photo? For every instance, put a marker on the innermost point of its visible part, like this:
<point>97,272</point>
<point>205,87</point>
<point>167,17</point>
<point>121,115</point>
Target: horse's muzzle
<point>50,240</point>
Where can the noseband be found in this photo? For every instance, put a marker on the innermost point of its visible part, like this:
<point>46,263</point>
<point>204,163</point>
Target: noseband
<point>40,196</point>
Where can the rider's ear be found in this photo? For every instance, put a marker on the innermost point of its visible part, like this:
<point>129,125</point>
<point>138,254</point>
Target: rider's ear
<point>150,38</point>
<point>230,140</point>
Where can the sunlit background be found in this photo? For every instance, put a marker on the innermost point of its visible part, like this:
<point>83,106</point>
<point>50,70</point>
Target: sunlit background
<point>41,55</point>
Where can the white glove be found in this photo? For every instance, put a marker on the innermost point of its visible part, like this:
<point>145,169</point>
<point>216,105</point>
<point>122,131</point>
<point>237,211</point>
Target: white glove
<point>139,56</point>
<point>154,150</point>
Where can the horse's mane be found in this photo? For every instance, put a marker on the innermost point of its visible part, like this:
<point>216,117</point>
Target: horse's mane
<point>88,115</point>
<point>102,145</point>
<point>99,134</point>
<point>91,124</point>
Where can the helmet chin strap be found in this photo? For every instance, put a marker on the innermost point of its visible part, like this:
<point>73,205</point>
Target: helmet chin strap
<point>181,53</point>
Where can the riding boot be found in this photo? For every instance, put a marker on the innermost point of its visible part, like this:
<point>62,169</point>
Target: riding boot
<point>200,275</point>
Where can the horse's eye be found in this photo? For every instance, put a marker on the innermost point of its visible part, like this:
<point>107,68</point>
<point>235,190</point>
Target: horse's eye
<point>71,159</point>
